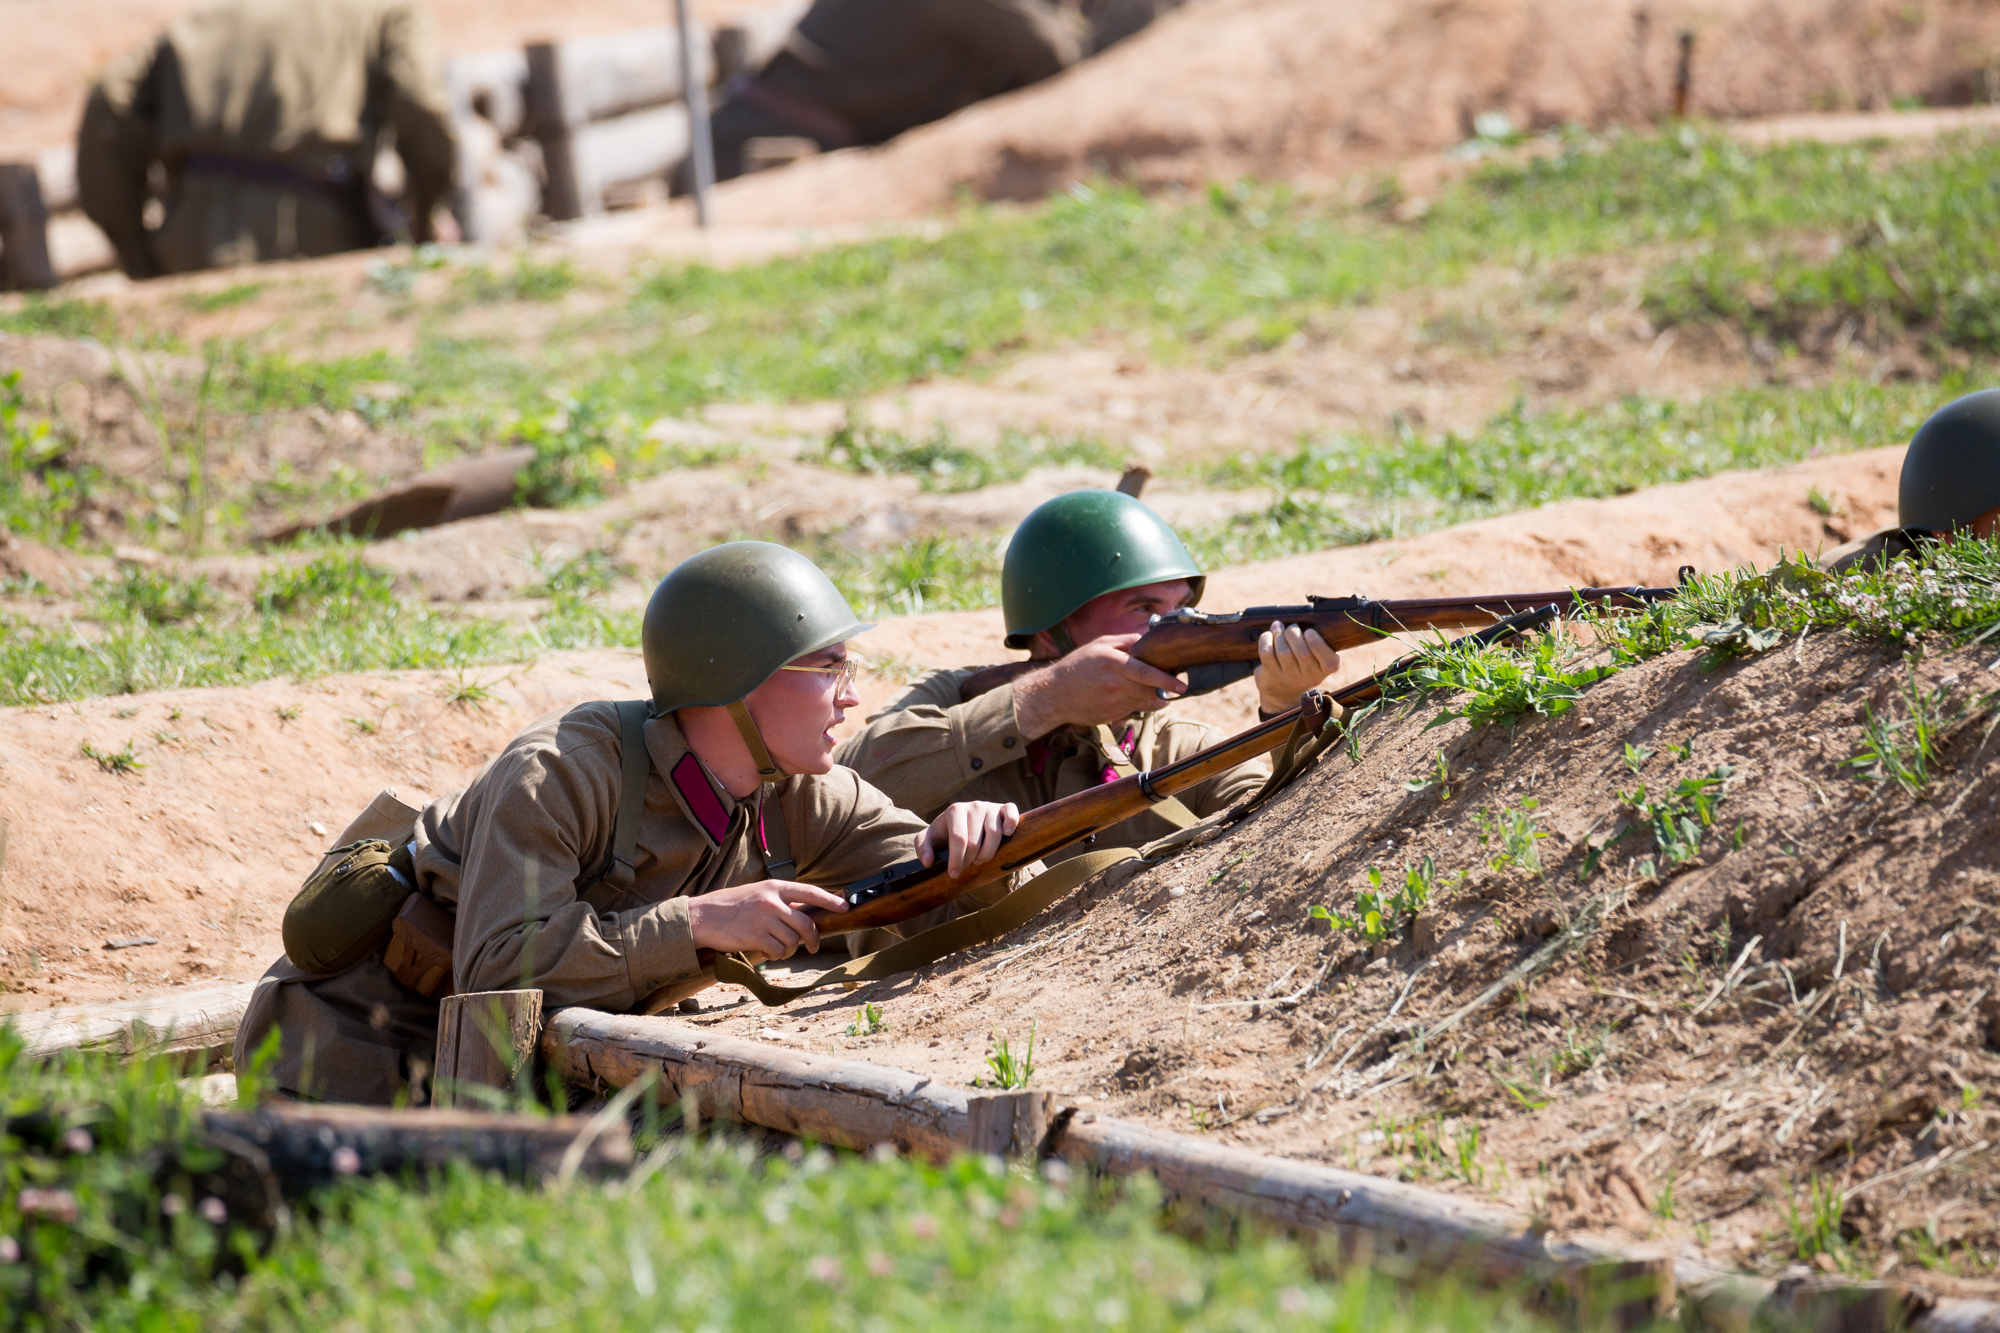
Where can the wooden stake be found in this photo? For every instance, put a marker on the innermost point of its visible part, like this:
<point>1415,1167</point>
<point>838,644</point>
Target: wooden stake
<point>1008,1124</point>
<point>701,157</point>
<point>485,1039</point>
<point>24,229</point>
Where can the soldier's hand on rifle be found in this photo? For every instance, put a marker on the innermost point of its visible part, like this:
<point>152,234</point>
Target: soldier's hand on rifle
<point>970,831</point>
<point>1290,662</point>
<point>766,919</point>
<point>1100,682</point>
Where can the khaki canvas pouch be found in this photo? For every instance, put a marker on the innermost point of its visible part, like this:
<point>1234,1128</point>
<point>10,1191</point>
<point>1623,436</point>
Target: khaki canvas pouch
<point>345,910</point>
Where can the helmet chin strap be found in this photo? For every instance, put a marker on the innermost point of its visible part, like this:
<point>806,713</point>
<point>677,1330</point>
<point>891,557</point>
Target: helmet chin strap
<point>1065,645</point>
<point>760,754</point>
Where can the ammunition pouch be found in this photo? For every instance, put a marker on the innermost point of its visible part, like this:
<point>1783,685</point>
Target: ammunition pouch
<point>345,911</point>
<point>419,951</point>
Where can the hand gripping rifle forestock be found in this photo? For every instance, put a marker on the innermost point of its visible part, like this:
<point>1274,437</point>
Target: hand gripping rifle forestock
<point>1218,650</point>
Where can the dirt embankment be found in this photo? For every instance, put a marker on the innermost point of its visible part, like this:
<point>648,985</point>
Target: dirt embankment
<point>1810,995</point>
<point>1301,89</point>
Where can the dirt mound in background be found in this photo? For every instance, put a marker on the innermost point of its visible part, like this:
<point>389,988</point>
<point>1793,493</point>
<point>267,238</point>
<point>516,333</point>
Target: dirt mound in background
<point>1303,89</point>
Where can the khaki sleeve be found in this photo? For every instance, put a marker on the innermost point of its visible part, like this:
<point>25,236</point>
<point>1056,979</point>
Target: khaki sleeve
<point>1030,39</point>
<point>410,79</point>
<point>531,819</point>
<point>842,829</point>
<point>1178,740</point>
<point>924,748</point>
<point>115,148</point>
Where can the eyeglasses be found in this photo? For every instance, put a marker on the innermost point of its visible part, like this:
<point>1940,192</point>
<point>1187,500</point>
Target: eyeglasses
<point>842,673</point>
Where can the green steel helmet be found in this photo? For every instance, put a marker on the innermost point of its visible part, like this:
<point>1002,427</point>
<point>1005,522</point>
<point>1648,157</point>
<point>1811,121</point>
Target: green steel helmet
<point>1951,474</point>
<point>1083,545</point>
<point>721,622</point>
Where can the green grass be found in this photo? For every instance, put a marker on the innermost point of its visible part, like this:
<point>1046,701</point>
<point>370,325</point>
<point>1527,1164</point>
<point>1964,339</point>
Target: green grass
<point>116,1233</point>
<point>333,614</point>
<point>941,463</point>
<point>1206,277</point>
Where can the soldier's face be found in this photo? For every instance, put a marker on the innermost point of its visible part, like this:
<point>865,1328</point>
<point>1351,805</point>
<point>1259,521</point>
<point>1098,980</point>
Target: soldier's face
<point>1982,527</point>
<point>797,710</point>
<point>1126,612</point>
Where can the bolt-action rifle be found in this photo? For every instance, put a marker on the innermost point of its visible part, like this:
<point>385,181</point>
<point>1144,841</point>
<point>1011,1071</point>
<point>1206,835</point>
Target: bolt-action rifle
<point>1217,650</point>
<point>910,888</point>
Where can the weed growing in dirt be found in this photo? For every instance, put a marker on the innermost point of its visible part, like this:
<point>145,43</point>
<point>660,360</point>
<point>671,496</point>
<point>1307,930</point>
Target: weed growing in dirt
<point>1905,750</point>
<point>1438,776</point>
<point>1503,683</point>
<point>1379,915</point>
<point>930,573</point>
<point>1814,1218</point>
<point>1678,819</point>
<point>940,463</point>
<point>112,761</point>
<point>1006,1069</point>
<point>154,597</point>
<point>526,281</point>
<point>868,1022</point>
<point>1576,1052</point>
<point>1423,1141</point>
<point>1518,835</point>
<point>39,496</point>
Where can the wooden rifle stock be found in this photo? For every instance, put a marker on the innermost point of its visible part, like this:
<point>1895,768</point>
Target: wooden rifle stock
<point>1217,650</point>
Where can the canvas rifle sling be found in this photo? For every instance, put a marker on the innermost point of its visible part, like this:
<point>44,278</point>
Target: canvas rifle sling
<point>1302,747</point>
<point>619,869</point>
<point>1120,763</point>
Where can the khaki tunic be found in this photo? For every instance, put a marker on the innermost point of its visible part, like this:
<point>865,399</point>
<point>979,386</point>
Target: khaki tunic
<point>1876,549</point>
<point>863,71</point>
<point>931,747</point>
<point>297,90</point>
<point>505,856</point>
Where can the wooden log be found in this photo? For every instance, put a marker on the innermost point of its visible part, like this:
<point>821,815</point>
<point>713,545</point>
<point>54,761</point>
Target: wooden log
<point>305,1147</point>
<point>187,1023</point>
<point>846,1103</point>
<point>1384,1223</point>
<point>485,1040</point>
<point>24,227</point>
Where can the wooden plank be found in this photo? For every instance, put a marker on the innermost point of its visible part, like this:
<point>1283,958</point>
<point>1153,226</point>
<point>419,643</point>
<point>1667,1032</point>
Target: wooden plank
<point>644,144</point>
<point>615,72</point>
<point>24,224</point>
<point>56,169</point>
<point>485,1039</point>
<point>308,1146</point>
<point>199,1020</point>
<point>847,1103</point>
<point>747,42</point>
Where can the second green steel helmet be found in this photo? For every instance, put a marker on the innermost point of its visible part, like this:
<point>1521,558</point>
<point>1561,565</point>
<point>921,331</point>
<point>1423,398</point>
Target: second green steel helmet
<point>1083,545</point>
<point>721,622</point>
<point>1951,474</point>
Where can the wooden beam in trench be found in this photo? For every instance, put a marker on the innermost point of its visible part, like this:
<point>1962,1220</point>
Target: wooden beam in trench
<point>198,1020</point>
